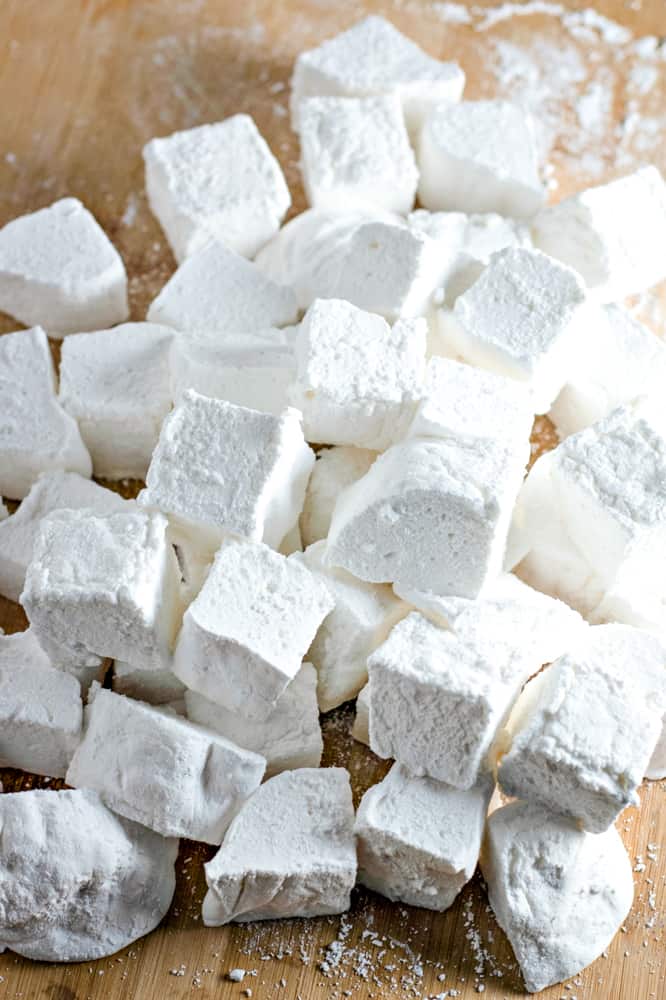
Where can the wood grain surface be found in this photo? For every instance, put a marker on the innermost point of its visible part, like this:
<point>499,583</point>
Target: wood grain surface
<point>83,85</point>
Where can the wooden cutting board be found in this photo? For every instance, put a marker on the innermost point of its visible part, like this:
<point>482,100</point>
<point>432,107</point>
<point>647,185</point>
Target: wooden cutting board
<point>83,85</point>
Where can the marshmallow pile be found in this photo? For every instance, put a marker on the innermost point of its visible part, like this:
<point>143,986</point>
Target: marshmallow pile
<point>332,420</point>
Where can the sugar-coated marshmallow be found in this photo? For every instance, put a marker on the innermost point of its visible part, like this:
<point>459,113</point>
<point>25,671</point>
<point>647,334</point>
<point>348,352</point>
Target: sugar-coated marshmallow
<point>334,470</point>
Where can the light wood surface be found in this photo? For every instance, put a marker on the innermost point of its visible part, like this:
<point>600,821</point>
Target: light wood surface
<point>82,86</point>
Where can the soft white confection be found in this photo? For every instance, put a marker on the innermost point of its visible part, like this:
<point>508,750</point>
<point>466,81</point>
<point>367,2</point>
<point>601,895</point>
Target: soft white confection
<point>334,470</point>
<point>583,732</point>
<point>40,709</point>
<point>245,636</point>
<point>480,156</point>
<point>36,435</point>
<point>78,882</point>
<point>217,181</point>
<point>618,360</point>
<point>248,370</point>
<point>358,380</point>
<point>156,687</point>
<point>59,270</point>
<point>363,616</point>
<point>611,234</point>
<point>361,726</point>
<point>115,383</point>
<point>418,840</point>
<point>218,290</point>
<point>52,491</point>
<point>289,852</point>
<point>372,58</point>
<point>355,153</point>
<point>221,468</point>
<point>558,893</point>
<point>524,318</point>
<point>103,585</point>
<point>289,737</point>
<point>173,776</point>
<point>430,514</point>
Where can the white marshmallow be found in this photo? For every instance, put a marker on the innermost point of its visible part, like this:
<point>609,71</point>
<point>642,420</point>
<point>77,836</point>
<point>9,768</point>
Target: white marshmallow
<point>361,726</point>
<point>288,853</point>
<point>372,58</point>
<point>115,383</point>
<point>480,156</point>
<point>523,318</point>
<point>618,360</point>
<point>430,514</point>
<point>244,637</point>
<point>103,585</point>
<point>334,470</point>
<point>217,181</point>
<point>357,379</point>
<point>40,709</point>
<point>559,894</point>
<point>216,289</point>
<point>156,687</point>
<point>290,736</point>
<point>583,732</point>
<point>611,234</point>
<point>363,616</point>
<point>418,840</point>
<point>59,270</point>
<point>219,467</point>
<point>52,491</point>
<point>355,153</point>
<point>174,777</point>
<point>36,435</point>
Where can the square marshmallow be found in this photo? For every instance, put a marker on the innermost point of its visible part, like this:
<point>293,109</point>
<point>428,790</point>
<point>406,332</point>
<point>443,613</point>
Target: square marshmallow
<point>357,379</point>
<point>355,153</point>
<point>115,383</point>
<point>59,270</point>
<point>611,234</point>
<point>374,58</point>
<point>334,470</point>
<point>103,586</point>
<point>216,289</point>
<point>244,637</point>
<point>217,181</point>
<point>174,777</point>
<point>480,156</point>
<point>222,468</point>
<point>36,434</point>
<point>156,687</point>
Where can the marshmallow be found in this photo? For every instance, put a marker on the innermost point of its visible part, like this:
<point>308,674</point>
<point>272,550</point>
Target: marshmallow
<point>361,725</point>
<point>174,777</point>
<point>334,470</point>
<point>480,156</point>
<point>103,585</point>
<point>363,616</point>
<point>288,853</point>
<point>249,370</point>
<point>357,379</point>
<point>583,732</point>
<point>59,270</point>
<point>40,709</point>
<point>419,840</point>
<point>611,234</point>
<point>219,467</point>
<point>244,637</point>
<point>559,894</point>
<point>355,153</point>
<point>156,687</point>
<point>618,360</point>
<point>115,383</point>
<point>656,769</point>
<point>430,514</point>
<point>373,58</point>
<point>52,491</point>
<point>36,435</point>
<point>76,881</point>
<point>289,737</point>
<point>216,182</point>
<point>216,289</point>
<point>524,318</point>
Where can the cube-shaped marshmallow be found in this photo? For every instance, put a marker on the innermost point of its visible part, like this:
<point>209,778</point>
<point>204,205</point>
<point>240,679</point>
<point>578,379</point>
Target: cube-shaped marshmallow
<point>334,470</point>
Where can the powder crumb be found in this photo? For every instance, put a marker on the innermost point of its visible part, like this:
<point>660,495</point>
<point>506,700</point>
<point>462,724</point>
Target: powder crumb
<point>236,975</point>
